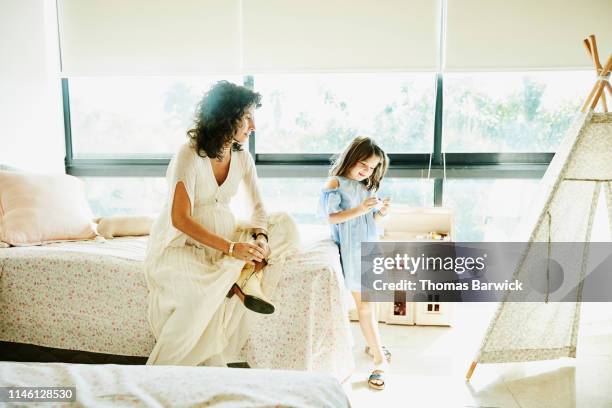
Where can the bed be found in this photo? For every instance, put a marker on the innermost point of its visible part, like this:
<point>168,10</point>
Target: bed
<point>163,386</point>
<point>91,296</point>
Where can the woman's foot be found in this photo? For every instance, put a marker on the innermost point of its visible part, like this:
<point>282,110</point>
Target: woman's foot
<point>385,350</point>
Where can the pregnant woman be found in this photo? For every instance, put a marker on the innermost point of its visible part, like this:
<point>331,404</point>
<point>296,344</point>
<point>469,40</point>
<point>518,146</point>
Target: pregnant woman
<point>203,268</point>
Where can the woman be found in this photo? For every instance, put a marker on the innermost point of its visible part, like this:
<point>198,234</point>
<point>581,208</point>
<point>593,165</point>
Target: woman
<point>198,257</point>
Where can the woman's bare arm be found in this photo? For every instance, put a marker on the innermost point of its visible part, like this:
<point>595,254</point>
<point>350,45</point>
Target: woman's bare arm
<point>181,220</point>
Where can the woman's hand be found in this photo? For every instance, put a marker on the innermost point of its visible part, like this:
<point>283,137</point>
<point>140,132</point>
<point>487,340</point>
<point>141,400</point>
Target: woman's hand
<point>248,252</point>
<point>368,204</point>
<point>262,243</point>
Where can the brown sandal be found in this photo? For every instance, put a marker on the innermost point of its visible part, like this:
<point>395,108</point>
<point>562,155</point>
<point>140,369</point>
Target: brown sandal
<point>376,380</point>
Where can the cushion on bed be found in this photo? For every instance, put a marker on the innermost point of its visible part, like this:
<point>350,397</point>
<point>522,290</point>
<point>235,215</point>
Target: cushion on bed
<point>37,209</point>
<point>123,226</point>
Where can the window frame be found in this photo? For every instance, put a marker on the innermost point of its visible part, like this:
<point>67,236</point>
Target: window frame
<point>436,165</point>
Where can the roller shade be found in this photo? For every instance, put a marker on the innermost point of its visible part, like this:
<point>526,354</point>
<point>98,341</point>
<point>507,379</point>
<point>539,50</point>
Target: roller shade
<point>340,35</point>
<point>149,36</point>
<point>525,34</point>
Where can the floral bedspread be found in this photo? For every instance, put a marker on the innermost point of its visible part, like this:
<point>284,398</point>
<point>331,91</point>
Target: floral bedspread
<point>91,296</point>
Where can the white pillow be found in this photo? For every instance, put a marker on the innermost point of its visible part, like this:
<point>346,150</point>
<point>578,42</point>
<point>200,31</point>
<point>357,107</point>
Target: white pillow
<point>36,209</point>
<point>120,226</point>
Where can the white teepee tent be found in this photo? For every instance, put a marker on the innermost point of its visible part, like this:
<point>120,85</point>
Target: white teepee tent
<point>563,212</point>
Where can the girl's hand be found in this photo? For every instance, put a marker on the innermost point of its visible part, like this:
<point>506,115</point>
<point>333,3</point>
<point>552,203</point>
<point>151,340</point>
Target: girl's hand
<point>248,252</point>
<point>385,206</point>
<point>368,204</point>
<point>263,244</point>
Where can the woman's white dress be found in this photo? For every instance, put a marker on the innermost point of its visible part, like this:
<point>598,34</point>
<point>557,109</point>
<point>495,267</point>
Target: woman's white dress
<point>192,319</point>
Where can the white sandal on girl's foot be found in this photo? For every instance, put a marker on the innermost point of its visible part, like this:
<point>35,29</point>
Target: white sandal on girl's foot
<point>385,350</point>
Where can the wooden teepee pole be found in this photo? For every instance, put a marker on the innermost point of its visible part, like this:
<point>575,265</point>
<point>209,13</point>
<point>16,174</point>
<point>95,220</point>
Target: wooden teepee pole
<point>468,376</point>
<point>598,68</point>
<point>598,92</point>
<point>602,86</point>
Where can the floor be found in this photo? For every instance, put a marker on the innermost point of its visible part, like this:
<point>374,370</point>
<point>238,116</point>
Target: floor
<point>429,366</point>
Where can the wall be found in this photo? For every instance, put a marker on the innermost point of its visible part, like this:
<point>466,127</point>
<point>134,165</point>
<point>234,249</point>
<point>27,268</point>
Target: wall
<point>31,127</point>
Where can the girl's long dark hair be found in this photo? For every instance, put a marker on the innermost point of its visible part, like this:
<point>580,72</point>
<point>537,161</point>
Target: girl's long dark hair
<point>361,148</point>
<point>218,116</point>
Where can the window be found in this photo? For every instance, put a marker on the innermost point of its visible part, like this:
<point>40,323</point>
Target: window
<point>511,112</point>
<point>125,195</point>
<point>488,210</point>
<point>408,191</point>
<point>147,195</point>
<point>321,113</point>
<point>133,115</point>
<point>279,195</point>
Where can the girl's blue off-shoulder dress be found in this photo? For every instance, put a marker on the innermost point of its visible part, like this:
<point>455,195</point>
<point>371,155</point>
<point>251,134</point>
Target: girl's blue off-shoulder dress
<point>350,234</point>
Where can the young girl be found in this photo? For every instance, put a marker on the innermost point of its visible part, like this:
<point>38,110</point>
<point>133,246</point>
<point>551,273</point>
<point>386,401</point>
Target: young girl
<point>349,203</point>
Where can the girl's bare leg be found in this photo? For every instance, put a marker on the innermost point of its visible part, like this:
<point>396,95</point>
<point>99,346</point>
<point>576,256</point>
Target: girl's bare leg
<point>369,326</point>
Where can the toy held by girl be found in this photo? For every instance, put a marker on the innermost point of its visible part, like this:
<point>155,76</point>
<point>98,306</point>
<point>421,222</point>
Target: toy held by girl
<point>350,205</point>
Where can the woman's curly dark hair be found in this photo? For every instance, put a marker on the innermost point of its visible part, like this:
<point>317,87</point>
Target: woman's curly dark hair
<point>218,116</point>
